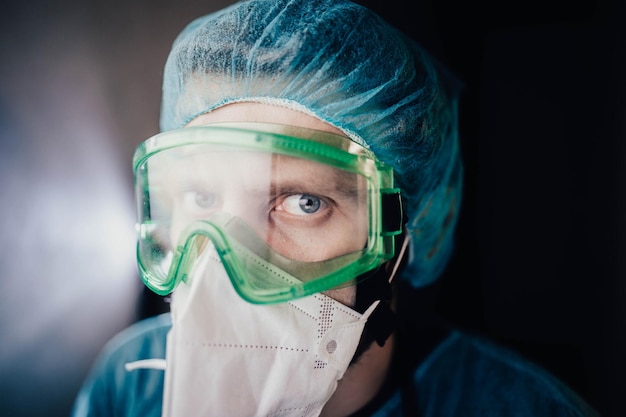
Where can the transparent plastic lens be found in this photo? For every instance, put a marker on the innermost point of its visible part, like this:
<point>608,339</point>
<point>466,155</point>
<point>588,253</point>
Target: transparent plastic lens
<point>288,216</point>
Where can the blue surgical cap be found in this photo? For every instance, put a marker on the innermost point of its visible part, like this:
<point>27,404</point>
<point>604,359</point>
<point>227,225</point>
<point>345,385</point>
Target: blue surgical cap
<point>343,64</point>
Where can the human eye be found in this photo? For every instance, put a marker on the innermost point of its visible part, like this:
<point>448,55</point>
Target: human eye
<point>302,204</point>
<point>196,201</point>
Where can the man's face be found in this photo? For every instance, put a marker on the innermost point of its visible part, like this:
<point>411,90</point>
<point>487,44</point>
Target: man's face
<point>304,210</point>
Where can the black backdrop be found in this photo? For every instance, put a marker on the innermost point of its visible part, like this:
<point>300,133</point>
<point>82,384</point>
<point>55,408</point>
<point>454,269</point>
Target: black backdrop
<point>541,237</point>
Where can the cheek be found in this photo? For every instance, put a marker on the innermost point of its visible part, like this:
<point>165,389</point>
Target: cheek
<point>319,244</point>
<point>177,225</point>
<point>344,237</point>
<point>343,233</point>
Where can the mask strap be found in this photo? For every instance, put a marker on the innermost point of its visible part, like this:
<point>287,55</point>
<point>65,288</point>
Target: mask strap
<point>399,261</point>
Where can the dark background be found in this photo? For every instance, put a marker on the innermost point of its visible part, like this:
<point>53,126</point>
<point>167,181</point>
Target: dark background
<point>538,264</point>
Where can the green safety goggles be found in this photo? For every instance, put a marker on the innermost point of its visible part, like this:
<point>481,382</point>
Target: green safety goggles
<point>290,211</point>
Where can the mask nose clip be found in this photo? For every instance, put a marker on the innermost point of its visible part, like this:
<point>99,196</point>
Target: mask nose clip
<point>198,237</point>
<point>245,257</point>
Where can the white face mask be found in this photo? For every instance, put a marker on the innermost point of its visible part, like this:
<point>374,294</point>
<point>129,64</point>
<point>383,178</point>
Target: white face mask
<point>227,357</point>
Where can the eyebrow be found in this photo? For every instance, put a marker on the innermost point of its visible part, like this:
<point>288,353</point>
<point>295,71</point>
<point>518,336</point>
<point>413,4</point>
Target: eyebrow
<point>344,183</point>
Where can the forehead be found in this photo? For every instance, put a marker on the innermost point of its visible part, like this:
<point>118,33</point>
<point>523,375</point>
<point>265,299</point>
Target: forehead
<point>263,113</point>
<point>218,169</point>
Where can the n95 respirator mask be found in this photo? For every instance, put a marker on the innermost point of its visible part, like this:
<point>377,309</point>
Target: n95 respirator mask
<point>228,357</point>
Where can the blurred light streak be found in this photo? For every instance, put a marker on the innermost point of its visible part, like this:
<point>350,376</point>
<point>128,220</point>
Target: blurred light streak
<point>68,277</point>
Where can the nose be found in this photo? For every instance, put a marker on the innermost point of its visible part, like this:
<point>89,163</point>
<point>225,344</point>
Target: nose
<point>249,206</point>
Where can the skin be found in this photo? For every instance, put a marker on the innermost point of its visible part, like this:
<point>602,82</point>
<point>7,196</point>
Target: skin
<point>268,192</point>
<point>364,378</point>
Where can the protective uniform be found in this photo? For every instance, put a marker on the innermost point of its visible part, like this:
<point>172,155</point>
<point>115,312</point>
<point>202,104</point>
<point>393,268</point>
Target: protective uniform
<point>397,111</point>
<point>437,373</point>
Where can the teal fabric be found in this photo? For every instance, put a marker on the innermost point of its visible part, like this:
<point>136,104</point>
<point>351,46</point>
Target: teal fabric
<point>110,390</point>
<point>468,376</point>
<point>463,376</point>
<point>343,64</point>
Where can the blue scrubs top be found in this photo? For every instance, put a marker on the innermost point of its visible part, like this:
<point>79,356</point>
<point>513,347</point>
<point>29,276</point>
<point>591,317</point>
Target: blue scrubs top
<point>457,375</point>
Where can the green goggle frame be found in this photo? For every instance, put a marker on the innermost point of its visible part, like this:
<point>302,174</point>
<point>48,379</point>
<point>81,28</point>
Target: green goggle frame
<point>258,271</point>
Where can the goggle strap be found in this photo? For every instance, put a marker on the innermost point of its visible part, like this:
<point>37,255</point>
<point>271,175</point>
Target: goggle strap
<point>392,212</point>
